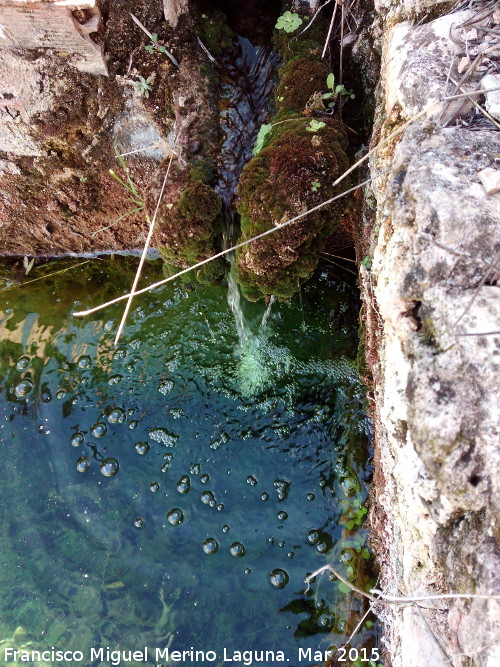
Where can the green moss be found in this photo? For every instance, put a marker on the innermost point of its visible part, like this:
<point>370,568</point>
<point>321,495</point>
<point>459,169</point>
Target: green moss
<point>275,186</point>
<point>199,202</point>
<point>300,79</point>
<point>216,34</point>
<point>211,273</point>
<point>201,170</point>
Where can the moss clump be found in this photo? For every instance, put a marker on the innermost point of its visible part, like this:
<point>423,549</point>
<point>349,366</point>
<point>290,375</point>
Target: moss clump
<point>199,202</point>
<point>188,222</point>
<point>216,34</point>
<point>300,79</point>
<point>278,184</point>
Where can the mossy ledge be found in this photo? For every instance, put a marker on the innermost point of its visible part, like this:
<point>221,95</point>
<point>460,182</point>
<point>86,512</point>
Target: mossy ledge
<point>303,155</point>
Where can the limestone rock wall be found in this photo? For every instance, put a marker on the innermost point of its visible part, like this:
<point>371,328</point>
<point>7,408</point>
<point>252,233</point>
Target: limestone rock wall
<point>432,320</point>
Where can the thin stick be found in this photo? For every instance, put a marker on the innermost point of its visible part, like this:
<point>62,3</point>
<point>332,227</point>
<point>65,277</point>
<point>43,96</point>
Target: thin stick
<point>329,31</point>
<point>479,333</point>
<point>383,598</point>
<point>313,19</point>
<point>483,111</point>
<point>143,256</point>
<point>425,110</point>
<point>49,275</point>
<point>144,29</point>
<point>210,56</point>
<point>82,313</point>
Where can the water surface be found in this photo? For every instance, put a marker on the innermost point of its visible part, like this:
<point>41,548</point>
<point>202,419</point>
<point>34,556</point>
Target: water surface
<point>238,469</point>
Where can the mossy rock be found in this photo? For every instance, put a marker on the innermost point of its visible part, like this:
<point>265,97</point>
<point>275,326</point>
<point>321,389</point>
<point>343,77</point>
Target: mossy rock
<point>300,79</point>
<point>216,34</point>
<point>293,173</point>
<point>187,229</point>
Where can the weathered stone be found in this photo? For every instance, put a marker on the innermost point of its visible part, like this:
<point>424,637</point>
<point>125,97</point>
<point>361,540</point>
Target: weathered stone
<point>50,25</point>
<point>492,82</point>
<point>437,490</point>
<point>490,178</point>
<point>173,10</point>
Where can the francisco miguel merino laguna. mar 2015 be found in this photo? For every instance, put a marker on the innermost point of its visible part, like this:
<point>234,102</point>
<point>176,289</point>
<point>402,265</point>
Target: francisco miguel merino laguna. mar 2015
<point>188,656</point>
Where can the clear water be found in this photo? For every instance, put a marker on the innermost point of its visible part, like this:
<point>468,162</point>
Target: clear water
<point>261,449</point>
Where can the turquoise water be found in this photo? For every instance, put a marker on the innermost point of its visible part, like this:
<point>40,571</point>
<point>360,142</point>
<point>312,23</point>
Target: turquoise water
<point>176,490</point>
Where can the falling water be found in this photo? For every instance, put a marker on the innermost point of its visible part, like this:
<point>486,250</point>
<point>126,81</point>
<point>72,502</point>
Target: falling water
<point>267,312</point>
<point>246,89</point>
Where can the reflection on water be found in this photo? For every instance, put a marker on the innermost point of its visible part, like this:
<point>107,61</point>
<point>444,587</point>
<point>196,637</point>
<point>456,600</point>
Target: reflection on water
<point>175,491</point>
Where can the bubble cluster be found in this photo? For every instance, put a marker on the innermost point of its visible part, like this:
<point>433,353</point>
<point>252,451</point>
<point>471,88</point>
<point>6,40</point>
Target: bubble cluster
<point>184,484</point>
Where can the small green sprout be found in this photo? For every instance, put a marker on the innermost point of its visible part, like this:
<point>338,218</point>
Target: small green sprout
<point>315,186</point>
<point>315,125</point>
<point>154,46</point>
<point>335,91</point>
<point>144,86</point>
<point>289,22</point>
<point>259,143</point>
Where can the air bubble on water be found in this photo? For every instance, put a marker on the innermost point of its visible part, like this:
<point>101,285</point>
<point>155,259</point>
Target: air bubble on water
<point>325,622</point>
<point>247,570</point>
<point>138,522</point>
<point>175,516</point>
<point>24,388</point>
<point>83,464</point>
<point>311,496</point>
<point>99,429</point>
<point>270,540</point>
<point>282,487</point>
<point>281,544</point>
<point>220,507</point>
<point>60,394</point>
<point>84,362</point>
<point>313,536</point>
<point>77,439</point>
<point>237,549</point>
<point>210,546</point>
<point>251,480</point>
<point>204,478</point>
<point>163,436</point>
<point>176,413</point>
<point>165,387</point>
<point>154,487</point>
<point>195,469</point>
<point>184,484</point>
<point>23,363</point>
<point>109,467</point>
<point>46,396</point>
<point>115,379</point>
<point>120,353</point>
<point>117,416</point>
<point>264,496</point>
<point>282,516</point>
<point>225,528</point>
<point>142,448</point>
<point>291,554</point>
<point>133,424</point>
<point>279,578</point>
<point>109,325</point>
<point>322,546</point>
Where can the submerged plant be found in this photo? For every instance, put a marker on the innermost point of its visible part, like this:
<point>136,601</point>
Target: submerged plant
<point>289,22</point>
